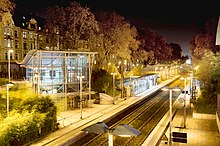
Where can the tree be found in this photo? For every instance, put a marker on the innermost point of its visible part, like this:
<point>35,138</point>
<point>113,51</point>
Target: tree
<point>205,40</point>
<point>200,43</point>
<point>151,41</point>
<point>208,73</point>
<point>101,81</point>
<point>117,37</point>
<point>176,51</point>
<point>71,27</point>
<point>6,6</point>
<point>142,55</point>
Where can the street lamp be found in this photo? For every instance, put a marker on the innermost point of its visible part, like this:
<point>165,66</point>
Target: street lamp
<point>131,85</point>
<point>171,90</point>
<point>7,96</point>
<point>156,69</point>
<point>121,130</point>
<point>113,86</point>
<point>80,77</point>
<point>9,58</point>
<point>130,79</point>
<point>184,125</point>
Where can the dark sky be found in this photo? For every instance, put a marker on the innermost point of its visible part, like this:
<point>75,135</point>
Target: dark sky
<point>178,19</point>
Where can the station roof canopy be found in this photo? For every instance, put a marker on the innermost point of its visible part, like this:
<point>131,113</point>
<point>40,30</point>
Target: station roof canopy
<point>51,53</point>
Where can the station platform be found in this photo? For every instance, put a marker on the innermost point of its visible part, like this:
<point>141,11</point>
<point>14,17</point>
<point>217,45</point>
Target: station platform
<point>201,129</point>
<point>71,120</point>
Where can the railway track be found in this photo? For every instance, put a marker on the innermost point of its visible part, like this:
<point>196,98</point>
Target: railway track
<point>143,116</point>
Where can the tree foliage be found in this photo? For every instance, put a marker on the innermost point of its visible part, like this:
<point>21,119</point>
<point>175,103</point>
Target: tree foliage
<point>206,55</point>
<point>176,51</point>
<point>101,81</point>
<point>7,6</point>
<point>208,73</point>
<point>205,40</point>
<point>117,37</point>
<point>72,26</point>
<point>28,114</point>
<point>153,42</point>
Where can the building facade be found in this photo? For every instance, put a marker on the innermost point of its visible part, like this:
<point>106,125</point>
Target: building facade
<point>18,35</point>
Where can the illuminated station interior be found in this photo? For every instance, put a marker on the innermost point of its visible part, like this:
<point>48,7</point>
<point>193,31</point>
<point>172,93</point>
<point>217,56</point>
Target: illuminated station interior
<point>58,73</point>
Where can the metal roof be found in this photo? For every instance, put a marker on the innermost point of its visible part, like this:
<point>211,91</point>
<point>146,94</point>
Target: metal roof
<point>32,53</point>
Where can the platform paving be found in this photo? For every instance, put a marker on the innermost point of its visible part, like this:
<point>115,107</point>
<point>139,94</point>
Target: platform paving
<point>201,131</point>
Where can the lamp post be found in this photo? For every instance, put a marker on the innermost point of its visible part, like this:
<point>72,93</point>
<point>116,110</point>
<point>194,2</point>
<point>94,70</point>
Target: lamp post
<point>184,125</point>
<point>156,69</point>
<point>113,86</point>
<point>9,67</point>
<point>130,79</point>
<point>170,92</point>
<point>7,96</point>
<point>121,130</point>
<point>80,77</point>
<point>193,76</point>
<point>131,85</point>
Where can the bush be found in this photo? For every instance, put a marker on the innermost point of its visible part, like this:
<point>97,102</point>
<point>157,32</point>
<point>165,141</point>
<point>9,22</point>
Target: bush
<point>101,81</point>
<point>37,119</point>
<point>202,105</point>
<point>21,129</point>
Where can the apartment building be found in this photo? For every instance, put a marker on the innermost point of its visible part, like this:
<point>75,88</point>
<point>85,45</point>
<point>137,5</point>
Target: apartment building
<point>18,35</point>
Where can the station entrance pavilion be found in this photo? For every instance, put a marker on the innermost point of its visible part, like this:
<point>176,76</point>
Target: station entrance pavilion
<point>58,73</point>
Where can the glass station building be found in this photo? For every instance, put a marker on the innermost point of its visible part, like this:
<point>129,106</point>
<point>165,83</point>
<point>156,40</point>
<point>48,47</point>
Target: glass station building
<point>58,73</point>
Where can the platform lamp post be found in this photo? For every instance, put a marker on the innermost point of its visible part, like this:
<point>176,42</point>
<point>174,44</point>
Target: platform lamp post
<point>175,89</point>
<point>131,85</point>
<point>7,96</point>
<point>80,77</point>
<point>9,67</point>
<point>121,130</point>
<point>185,79</point>
<point>113,85</point>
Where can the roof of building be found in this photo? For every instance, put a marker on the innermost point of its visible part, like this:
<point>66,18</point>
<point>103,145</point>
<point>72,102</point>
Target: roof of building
<point>22,19</point>
<point>31,53</point>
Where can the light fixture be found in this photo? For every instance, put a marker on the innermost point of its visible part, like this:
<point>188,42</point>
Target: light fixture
<point>121,130</point>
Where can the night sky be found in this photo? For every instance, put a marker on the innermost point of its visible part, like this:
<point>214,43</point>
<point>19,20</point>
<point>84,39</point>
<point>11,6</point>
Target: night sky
<point>178,21</point>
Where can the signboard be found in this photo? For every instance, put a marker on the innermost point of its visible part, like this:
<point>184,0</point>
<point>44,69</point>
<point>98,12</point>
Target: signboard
<point>179,137</point>
<point>181,100</point>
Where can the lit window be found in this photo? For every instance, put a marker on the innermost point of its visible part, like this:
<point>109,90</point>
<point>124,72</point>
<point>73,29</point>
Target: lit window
<point>8,43</point>
<point>24,34</point>
<point>6,31</point>
<point>31,36</point>
<point>40,37</point>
